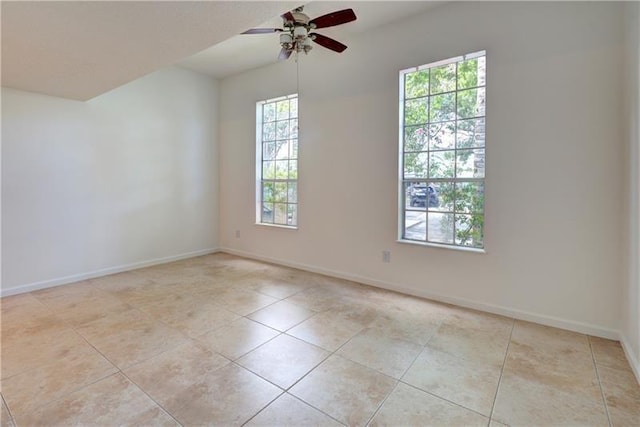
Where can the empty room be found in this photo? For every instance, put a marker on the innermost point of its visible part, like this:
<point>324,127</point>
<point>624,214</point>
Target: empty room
<point>346,213</point>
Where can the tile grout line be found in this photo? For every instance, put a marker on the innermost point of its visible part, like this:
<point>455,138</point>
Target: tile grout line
<point>504,362</point>
<point>595,366</point>
<point>151,398</point>
<point>4,402</point>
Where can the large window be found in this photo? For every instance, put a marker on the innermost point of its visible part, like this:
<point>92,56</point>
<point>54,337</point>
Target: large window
<point>442,152</point>
<point>277,161</point>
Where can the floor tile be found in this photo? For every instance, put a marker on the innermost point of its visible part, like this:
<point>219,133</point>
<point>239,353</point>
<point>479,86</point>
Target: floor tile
<point>326,330</point>
<point>238,338</point>
<point>407,406</point>
<point>522,401</point>
<point>5,416</point>
<point>199,319</point>
<point>287,411</point>
<point>276,288</point>
<point>468,383</point>
<point>478,321</point>
<point>281,315</point>
<point>283,360</point>
<point>317,298</point>
<point>470,344</point>
<point>22,354</point>
<point>414,327</point>
<point>345,390</point>
<point>550,340</point>
<point>168,376</point>
<point>244,302</point>
<point>608,353</point>
<point>227,396</point>
<point>130,337</point>
<point>391,356</point>
<point>113,398</point>
<point>622,394</point>
<point>81,365</point>
<point>80,304</point>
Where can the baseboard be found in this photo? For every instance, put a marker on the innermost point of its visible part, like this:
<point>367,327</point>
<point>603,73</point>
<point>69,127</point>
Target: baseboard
<point>556,322</point>
<point>633,358</point>
<point>102,272</point>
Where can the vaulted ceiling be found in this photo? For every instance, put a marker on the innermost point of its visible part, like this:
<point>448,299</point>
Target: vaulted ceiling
<point>79,50</point>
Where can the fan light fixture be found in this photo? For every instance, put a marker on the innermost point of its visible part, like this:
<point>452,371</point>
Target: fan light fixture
<point>296,35</point>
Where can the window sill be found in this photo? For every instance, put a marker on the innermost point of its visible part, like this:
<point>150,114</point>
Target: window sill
<point>450,247</point>
<point>286,227</point>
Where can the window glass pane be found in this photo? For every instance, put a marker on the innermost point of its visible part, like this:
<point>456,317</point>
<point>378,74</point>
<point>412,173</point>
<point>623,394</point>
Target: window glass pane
<point>268,170</point>
<point>470,163</point>
<point>280,213</point>
<point>443,78</point>
<point>442,196</point>
<point>267,192</point>
<point>442,135</point>
<point>416,111</point>
<point>282,167</point>
<point>440,227</point>
<point>283,150</point>
<point>470,133</point>
<point>468,74</point>
<point>293,107</point>
<point>268,131</point>
<point>416,195</point>
<point>416,84</point>
<point>469,230</point>
<point>269,151</point>
<point>268,112</point>
<point>415,225</point>
<point>293,149</point>
<point>267,213</point>
<point>470,197</point>
<point>293,169</point>
<point>441,164</point>
<point>293,131</point>
<point>292,195</point>
<point>415,138</point>
<point>280,192</point>
<point>471,103</point>
<point>443,107</point>
<point>282,129</point>
<point>282,110</point>
<point>292,214</point>
<point>415,165</point>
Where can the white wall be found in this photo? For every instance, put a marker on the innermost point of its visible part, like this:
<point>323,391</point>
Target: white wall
<point>631,296</point>
<point>126,178</point>
<point>555,175</point>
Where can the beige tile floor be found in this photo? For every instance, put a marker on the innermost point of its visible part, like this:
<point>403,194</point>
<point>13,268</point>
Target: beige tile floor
<point>222,340</point>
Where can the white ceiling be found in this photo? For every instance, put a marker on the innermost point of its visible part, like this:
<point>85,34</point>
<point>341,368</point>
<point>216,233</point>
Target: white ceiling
<point>79,50</point>
<point>244,52</point>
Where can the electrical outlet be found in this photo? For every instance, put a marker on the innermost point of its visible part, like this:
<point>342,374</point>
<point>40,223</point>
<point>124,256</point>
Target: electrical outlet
<point>237,234</point>
<point>386,256</point>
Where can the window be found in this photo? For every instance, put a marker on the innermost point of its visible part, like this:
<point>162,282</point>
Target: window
<point>277,161</point>
<point>442,152</point>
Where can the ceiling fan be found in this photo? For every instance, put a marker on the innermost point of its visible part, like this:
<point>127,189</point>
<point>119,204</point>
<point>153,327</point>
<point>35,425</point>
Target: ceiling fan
<point>296,35</point>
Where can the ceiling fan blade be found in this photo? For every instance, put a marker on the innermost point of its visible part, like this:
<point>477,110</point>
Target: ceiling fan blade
<point>262,31</point>
<point>334,18</point>
<point>327,42</point>
<point>284,54</point>
<point>288,16</point>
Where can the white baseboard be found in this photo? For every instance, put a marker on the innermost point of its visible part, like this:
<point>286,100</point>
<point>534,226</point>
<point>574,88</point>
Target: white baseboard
<point>542,319</point>
<point>634,359</point>
<point>102,272</point>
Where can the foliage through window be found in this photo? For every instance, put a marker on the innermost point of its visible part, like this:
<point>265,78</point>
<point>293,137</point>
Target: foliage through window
<point>277,161</point>
<point>442,152</point>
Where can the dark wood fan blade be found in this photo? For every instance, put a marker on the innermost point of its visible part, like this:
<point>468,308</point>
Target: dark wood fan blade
<point>327,42</point>
<point>262,31</point>
<point>334,18</point>
<point>284,54</point>
<point>288,17</point>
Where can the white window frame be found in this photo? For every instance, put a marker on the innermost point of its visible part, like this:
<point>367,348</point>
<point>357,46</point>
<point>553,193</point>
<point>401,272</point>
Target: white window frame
<point>402,180</point>
<point>291,183</point>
